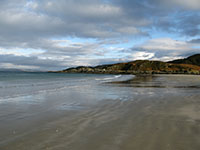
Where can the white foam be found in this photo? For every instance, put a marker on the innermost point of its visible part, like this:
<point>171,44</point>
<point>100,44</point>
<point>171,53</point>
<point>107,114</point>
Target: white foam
<point>115,78</point>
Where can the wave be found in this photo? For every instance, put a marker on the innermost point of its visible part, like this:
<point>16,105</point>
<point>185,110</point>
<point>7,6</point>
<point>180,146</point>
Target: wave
<point>115,78</point>
<point>109,78</point>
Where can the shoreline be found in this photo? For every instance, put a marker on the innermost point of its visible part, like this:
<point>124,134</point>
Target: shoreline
<point>126,73</point>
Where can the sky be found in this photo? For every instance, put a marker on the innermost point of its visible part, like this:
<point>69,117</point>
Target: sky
<point>58,34</point>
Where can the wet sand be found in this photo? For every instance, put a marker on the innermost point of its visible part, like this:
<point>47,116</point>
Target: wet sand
<point>157,118</point>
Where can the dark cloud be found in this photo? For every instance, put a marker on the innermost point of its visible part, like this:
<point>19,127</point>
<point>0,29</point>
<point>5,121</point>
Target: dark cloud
<point>195,41</point>
<point>90,18</point>
<point>48,18</point>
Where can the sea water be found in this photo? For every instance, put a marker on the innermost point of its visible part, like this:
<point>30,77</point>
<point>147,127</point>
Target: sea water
<point>16,84</point>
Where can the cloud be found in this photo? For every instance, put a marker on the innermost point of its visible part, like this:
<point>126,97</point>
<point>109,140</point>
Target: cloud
<point>187,4</point>
<point>141,56</point>
<point>197,41</point>
<point>26,20</point>
<point>46,32</point>
<point>90,18</point>
<point>162,44</point>
<point>165,49</point>
<point>176,4</point>
<point>28,62</point>
<point>174,16</point>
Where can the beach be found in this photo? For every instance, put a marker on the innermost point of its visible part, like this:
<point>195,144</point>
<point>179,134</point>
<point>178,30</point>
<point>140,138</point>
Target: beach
<point>103,112</point>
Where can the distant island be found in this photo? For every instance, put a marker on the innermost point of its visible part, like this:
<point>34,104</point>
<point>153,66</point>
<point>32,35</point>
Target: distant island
<point>190,65</point>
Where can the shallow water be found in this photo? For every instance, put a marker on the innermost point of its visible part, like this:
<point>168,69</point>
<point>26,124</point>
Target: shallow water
<point>86,112</point>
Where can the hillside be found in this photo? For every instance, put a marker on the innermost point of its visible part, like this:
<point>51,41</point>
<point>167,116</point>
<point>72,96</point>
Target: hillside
<point>138,67</point>
<point>193,60</point>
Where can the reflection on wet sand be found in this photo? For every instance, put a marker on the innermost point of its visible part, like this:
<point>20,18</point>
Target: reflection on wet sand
<point>158,114</point>
<point>157,81</point>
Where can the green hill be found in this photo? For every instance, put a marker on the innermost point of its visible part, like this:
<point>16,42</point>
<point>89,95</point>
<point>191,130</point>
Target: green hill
<point>138,67</point>
<point>193,60</point>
